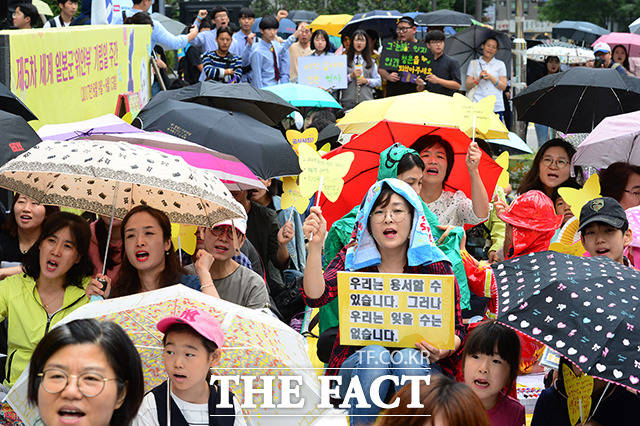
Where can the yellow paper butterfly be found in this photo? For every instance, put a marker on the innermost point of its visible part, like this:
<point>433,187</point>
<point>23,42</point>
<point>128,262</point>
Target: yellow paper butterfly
<point>331,171</point>
<point>569,239</point>
<point>576,198</point>
<point>324,149</point>
<point>308,137</point>
<point>503,161</point>
<point>579,390</point>
<point>291,195</point>
<point>488,124</point>
<point>184,236</point>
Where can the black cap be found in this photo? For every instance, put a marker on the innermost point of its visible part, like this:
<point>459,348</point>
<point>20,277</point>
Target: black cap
<point>605,210</point>
<point>407,19</point>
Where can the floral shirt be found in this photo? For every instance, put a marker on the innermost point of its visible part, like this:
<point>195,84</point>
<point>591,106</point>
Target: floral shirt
<point>454,208</point>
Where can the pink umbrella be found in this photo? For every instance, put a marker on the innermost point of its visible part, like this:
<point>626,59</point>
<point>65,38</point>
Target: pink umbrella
<point>106,124</point>
<point>616,138</point>
<point>630,41</point>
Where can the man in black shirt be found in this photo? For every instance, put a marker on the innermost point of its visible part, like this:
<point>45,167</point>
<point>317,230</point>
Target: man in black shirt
<point>445,77</point>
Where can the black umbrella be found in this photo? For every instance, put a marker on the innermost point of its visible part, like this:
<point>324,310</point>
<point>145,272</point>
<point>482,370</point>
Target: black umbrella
<point>576,100</point>
<point>262,148</point>
<point>466,46</point>
<point>586,308</point>
<point>11,103</point>
<point>330,135</point>
<point>260,104</point>
<point>16,136</point>
<point>444,18</point>
<point>298,16</point>
<point>383,22</point>
<point>580,32</point>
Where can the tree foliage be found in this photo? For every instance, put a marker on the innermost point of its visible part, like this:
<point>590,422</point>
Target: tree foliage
<point>600,12</point>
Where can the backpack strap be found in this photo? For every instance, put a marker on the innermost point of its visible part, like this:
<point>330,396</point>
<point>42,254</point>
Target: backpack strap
<point>52,22</point>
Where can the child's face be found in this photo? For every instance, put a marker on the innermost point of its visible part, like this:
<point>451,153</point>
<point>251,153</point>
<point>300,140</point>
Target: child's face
<point>564,209</point>
<point>600,239</point>
<point>486,375</point>
<point>186,360</point>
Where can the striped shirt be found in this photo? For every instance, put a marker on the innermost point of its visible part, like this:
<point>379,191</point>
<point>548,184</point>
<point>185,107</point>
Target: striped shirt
<point>340,353</point>
<point>215,65</point>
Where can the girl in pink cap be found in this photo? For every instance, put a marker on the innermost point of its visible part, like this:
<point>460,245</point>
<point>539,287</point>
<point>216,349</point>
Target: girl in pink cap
<point>192,342</point>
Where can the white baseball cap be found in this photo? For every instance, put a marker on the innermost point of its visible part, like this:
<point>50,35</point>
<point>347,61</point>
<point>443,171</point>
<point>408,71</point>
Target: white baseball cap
<point>239,224</point>
<point>601,48</point>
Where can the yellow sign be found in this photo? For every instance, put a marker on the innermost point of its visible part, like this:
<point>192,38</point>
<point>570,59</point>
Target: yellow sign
<point>308,137</point>
<point>485,118</point>
<point>396,310</point>
<point>577,198</point>
<point>291,195</point>
<point>77,73</point>
<point>503,161</point>
<point>330,171</point>
<point>579,389</point>
<point>184,237</point>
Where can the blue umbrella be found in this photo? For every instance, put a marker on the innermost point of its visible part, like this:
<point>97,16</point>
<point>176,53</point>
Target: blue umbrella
<point>578,31</point>
<point>300,95</point>
<point>286,28</point>
<point>383,22</point>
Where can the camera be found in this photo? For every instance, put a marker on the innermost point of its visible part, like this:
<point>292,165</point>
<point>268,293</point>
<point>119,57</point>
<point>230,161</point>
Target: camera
<point>598,63</point>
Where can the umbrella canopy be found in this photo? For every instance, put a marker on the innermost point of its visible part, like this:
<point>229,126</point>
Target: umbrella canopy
<point>16,136</point>
<point>255,343</point>
<point>444,18</point>
<point>260,104</point>
<point>330,135</point>
<point>231,171</point>
<point>634,27</point>
<point>368,146</point>
<point>107,124</point>
<point>112,177</point>
<point>427,108</point>
<point>234,133</point>
<point>42,7</point>
<point>12,104</point>
<point>332,24</point>
<point>466,45</point>
<point>578,31</point>
<point>566,52</point>
<point>631,42</point>
<point>576,100</point>
<point>383,22</point>
<point>171,25</point>
<point>298,16</point>
<point>285,29</point>
<point>300,95</point>
<point>514,144</point>
<point>582,307</point>
<point>616,138</point>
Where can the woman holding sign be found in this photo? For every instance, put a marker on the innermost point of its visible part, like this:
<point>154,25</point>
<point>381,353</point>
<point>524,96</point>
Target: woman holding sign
<point>392,236</point>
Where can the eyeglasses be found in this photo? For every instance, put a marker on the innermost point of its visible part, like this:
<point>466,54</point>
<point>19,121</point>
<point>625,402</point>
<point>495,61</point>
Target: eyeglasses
<point>634,193</point>
<point>397,215</point>
<point>402,29</point>
<point>219,231</point>
<point>89,384</point>
<point>560,163</point>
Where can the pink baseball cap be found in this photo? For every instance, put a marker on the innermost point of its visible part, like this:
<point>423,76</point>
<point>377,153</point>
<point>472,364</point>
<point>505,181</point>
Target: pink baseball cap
<point>202,322</point>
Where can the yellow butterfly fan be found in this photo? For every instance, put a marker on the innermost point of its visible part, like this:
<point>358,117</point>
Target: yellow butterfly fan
<point>503,161</point>
<point>291,195</point>
<point>184,237</point>
<point>579,390</point>
<point>576,198</point>
<point>296,138</point>
<point>485,118</point>
<point>328,171</point>
<point>569,239</point>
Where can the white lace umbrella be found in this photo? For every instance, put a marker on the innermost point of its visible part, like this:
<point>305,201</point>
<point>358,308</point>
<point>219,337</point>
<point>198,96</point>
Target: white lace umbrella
<point>110,178</point>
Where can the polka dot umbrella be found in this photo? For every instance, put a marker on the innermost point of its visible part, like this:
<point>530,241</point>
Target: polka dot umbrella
<point>585,308</point>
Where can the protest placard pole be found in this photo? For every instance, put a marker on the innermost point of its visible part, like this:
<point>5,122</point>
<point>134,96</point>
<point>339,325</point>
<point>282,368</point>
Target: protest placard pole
<point>317,200</point>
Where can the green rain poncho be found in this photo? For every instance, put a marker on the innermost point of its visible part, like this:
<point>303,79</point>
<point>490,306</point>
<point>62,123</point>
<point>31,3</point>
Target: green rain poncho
<point>340,234</point>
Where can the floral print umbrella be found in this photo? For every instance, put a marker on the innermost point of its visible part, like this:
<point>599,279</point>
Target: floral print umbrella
<point>110,178</point>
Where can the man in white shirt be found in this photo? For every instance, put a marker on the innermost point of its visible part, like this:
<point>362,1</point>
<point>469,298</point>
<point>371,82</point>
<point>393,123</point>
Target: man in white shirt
<point>68,9</point>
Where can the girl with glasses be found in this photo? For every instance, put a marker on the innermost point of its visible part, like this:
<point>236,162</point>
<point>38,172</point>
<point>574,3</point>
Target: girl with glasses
<point>391,235</point>
<point>86,373</point>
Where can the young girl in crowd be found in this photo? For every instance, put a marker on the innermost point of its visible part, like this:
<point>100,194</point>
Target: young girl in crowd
<point>20,231</point>
<point>452,208</point>
<point>86,373</point>
<point>148,260</point>
<point>620,56</point>
<point>444,402</point>
<point>490,365</point>
<point>551,168</point>
<point>99,234</point>
<point>57,270</point>
<point>192,343</point>
<point>392,236</point>
<point>320,43</point>
<point>362,71</point>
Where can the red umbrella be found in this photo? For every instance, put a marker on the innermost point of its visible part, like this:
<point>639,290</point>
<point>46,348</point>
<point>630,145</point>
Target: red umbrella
<point>368,146</point>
